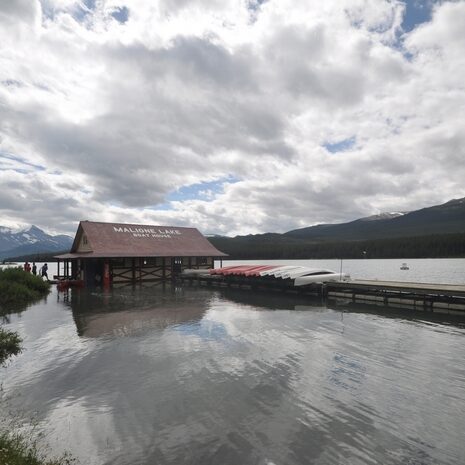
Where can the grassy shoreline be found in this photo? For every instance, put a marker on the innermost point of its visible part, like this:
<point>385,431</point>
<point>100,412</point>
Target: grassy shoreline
<point>17,290</point>
<point>20,288</point>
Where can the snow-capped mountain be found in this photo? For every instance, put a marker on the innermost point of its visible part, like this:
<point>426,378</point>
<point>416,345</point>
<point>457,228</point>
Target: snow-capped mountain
<point>31,240</point>
<point>447,218</point>
<point>383,216</point>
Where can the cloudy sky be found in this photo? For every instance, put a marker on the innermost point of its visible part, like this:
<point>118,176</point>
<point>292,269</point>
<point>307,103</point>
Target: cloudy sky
<point>233,116</point>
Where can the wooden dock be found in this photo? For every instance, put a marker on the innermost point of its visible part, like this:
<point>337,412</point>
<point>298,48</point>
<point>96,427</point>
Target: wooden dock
<point>434,298</point>
<point>437,298</point>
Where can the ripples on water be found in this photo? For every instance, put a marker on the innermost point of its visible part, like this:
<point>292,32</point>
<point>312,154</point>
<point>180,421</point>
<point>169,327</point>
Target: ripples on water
<point>207,377</point>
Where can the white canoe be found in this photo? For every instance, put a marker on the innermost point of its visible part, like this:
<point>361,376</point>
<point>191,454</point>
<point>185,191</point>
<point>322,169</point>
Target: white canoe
<point>306,271</point>
<point>320,278</point>
<point>280,273</point>
<point>278,269</point>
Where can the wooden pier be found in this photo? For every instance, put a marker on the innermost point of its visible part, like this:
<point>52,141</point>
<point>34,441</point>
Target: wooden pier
<point>436,298</point>
<point>433,298</point>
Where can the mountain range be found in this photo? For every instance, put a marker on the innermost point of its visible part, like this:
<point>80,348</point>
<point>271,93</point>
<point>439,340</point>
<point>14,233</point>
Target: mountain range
<point>30,241</point>
<point>433,231</point>
<point>447,218</point>
<point>437,221</point>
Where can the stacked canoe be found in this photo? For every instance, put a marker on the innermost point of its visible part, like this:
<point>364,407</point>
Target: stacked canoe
<point>298,275</point>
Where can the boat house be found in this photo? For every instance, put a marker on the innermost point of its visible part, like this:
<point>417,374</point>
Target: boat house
<point>114,253</point>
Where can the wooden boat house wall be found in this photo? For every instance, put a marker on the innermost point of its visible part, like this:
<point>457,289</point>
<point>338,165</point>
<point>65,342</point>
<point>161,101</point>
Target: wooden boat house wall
<point>113,253</point>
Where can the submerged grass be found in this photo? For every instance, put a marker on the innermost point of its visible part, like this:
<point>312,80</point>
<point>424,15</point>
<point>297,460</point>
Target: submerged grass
<point>10,344</point>
<point>18,449</point>
<point>14,294</point>
<point>17,289</point>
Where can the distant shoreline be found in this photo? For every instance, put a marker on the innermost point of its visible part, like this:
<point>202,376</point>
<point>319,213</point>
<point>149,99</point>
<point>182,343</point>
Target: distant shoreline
<point>269,247</point>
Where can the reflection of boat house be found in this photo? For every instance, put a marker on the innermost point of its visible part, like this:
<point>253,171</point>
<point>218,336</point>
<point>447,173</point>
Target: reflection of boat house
<point>97,315</point>
<point>130,253</point>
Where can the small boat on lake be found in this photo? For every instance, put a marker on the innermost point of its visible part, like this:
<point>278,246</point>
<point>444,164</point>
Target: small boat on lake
<point>404,266</point>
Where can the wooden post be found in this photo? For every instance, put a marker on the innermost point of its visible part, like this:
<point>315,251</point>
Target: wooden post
<point>106,274</point>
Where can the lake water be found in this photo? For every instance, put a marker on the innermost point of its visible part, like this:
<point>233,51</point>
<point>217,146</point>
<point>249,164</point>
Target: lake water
<point>227,377</point>
<point>421,270</point>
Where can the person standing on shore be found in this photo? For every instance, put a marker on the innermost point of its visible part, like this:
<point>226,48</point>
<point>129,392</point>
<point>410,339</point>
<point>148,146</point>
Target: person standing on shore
<point>34,268</point>
<point>27,267</point>
<point>44,271</point>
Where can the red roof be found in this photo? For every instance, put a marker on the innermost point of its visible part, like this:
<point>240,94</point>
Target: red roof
<point>137,240</point>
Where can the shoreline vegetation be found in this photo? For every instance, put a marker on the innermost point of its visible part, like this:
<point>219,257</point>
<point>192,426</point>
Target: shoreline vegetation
<point>18,289</point>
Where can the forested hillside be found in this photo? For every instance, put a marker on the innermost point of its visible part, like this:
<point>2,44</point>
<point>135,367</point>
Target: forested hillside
<point>277,247</point>
<point>437,231</point>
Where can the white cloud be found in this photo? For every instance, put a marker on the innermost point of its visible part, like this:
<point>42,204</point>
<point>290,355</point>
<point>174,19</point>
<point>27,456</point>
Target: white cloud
<point>191,91</point>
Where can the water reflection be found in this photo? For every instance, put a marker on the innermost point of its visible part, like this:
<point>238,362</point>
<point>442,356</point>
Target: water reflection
<point>406,313</point>
<point>173,376</point>
<point>273,300</point>
<point>126,312</point>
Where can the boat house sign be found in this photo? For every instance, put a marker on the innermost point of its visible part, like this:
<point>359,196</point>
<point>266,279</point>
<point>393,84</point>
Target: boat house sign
<point>148,232</point>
